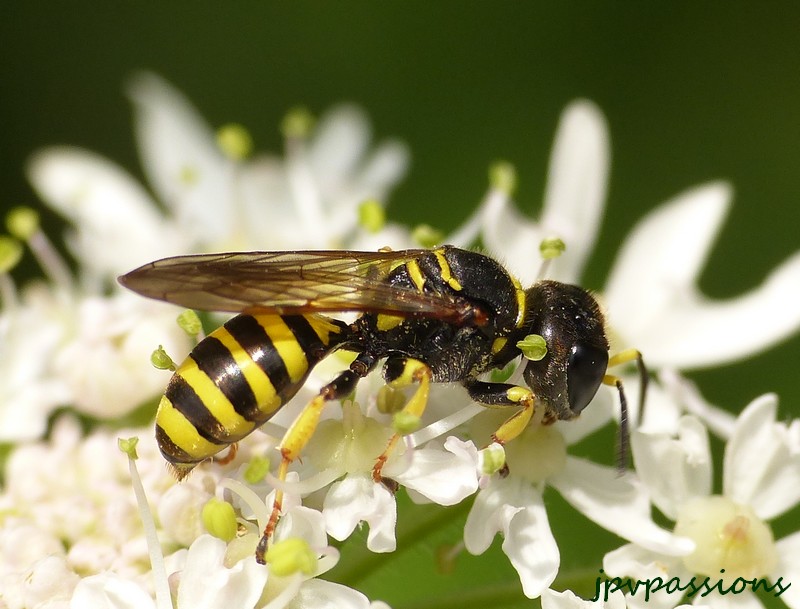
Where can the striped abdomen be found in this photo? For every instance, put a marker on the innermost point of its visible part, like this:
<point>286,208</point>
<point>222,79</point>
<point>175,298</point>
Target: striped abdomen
<point>237,378</point>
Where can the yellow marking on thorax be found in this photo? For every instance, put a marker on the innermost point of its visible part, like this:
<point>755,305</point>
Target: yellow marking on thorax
<point>444,267</point>
<point>215,401</point>
<point>323,326</point>
<point>415,274</point>
<point>289,350</point>
<point>266,397</point>
<point>521,301</point>
<point>182,433</point>
<point>386,322</point>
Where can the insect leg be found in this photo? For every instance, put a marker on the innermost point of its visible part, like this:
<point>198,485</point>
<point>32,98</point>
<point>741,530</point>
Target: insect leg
<point>401,372</point>
<point>504,394</point>
<point>301,430</point>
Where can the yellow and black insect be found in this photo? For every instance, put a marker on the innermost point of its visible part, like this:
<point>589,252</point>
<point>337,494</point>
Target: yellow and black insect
<point>440,315</point>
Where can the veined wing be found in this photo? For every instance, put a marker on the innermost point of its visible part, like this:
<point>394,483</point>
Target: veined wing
<point>289,282</point>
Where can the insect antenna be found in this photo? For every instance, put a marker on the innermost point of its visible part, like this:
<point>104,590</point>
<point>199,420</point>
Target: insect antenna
<point>623,439</point>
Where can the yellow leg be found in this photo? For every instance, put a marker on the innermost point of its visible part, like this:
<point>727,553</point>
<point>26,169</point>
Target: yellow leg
<point>517,423</point>
<point>300,432</point>
<point>412,371</point>
<point>623,357</point>
<point>506,395</point>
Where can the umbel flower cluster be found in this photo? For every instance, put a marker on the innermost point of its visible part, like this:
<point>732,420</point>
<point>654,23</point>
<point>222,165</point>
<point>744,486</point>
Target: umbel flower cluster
<point>88,526</point>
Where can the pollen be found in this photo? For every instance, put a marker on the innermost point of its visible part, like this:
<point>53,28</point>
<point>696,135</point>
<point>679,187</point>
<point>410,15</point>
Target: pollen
<point>292,555</point>
<point>235,141</point>
<point>503,177</point>
<point>731,539</point>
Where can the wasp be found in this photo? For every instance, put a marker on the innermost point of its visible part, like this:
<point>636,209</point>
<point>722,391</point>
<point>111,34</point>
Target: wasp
<point>430,315</point>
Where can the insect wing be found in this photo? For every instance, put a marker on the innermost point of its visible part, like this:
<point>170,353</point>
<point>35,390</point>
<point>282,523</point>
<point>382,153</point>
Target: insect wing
<point>290,282</point>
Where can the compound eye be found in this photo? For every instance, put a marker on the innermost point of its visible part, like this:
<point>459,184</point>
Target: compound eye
<point>585,370</point>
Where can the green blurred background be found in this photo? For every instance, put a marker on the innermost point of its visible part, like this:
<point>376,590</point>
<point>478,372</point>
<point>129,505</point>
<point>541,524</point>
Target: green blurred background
<point>692,92</point>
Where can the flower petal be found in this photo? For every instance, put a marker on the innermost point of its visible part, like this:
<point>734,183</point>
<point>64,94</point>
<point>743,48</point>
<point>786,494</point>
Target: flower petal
<point>355,499</point>
<point>597,414</point>
<point>339,143</point>
<point>106,206</point>
<point>551,599</point>
<point>646,571</point>
<point>445,476</point>
<point>304,523</point>
<point>617,503</point>
<point>574,199</point>
<point>788,570</point>
<point>110,591</point>
<point>515,509</point>
<point>207,584</point>
<point>653,301</point>
<point>181,159</point>
<point>321,594</point>
<point>685,396</point>
<point>687,458</point>
<point>762,461</point>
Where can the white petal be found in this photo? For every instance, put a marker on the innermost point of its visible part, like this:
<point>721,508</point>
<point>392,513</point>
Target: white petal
<point>515,509</point>
<point>28,392</point>
<point>617,504</point>
<point>634,564</point>
<point>110,591</point>
<point>181,159</point>
<point>338,145</point>
<point>576,186</point>
<point>687,459</point>
<point>117,224</point>
<point>745,600</point>
<point>788,570</point>
<point>664,253</point>
<point>321,594</point>
<point>511,236</point>
<point>305,523</point>
<point>207,584</point>
<point>567,599</point>
<point>179,510</point>
<point>386,166</point>
<point>445,476</point>
<point>113,341</point>
<point>686,396</point>
<point>597,414</point>
<point>762,463</point>
<point>573,202</point>
<point>355,499</point>
<point>653,301</point>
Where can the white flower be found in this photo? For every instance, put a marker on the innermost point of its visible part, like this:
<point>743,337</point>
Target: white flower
<point>761,481</point>
<point>115,225</point>
<point>654,303</point>
<point>345,450</point>
<point>30,331</point>
<point>573,205</point>
<point>651,297</point>
<point>552,599</point>
<point>214,202</point>
<point>228,204</point>
<point>513,506</point>
<point>105,361</point>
